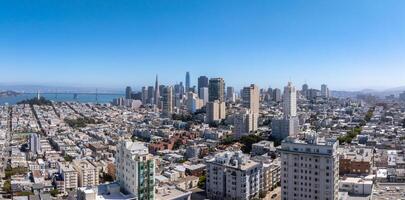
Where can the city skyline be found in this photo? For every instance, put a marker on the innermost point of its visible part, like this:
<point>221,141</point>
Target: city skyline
<point>347,45</point>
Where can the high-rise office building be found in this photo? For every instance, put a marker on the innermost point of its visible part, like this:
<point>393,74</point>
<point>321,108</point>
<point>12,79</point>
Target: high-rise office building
<point>250,98</point>
<point>216,89</point>
<point>203,94</point>
<point>157,93</point>
<point>202,82</point>
<point>309,169</point>
<point>135,169</point>
<point>313,94</point>
<point>128,92</point>
<point>324,91</point>
<point>276,95</point>
<point>290,101</point>
<point>181,89</point>
<point>167,108</point>
<point>193,102</point>
<point>35,145</point>
<point>233,175</point>
<point>215,111</point>
<point>304,90</point>
<point>188,84</point>
<point>144,95</point>
<point>151,93</point>
<point>230,94</point>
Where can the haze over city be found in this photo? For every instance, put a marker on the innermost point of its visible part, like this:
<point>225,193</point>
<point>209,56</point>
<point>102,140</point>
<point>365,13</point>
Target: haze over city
<point>202,100</point>
<point>350,45</point>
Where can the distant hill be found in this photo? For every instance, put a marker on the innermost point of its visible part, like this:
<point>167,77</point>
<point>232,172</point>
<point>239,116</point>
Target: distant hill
<point>54,89</point>
<point>8,93</point>
<point>380,93</point>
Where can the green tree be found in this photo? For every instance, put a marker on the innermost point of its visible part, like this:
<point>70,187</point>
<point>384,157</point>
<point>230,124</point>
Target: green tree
<point>201,181</point>
<point>248,141</point>
<point>68,158</point>
<point>54,192</point>
<point>7,186</point>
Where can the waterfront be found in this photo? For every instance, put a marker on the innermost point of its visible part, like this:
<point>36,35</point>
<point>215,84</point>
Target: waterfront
<point>80,97</point>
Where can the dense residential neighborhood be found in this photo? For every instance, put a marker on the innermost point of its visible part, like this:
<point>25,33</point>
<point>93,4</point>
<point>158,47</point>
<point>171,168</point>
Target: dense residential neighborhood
<point>300,145</point>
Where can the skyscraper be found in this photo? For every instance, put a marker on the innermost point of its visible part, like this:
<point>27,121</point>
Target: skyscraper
<point>187,81</point>
<point>157,94</point>
<point>167,94</point>
<point>324,91</point>
<point>202,82</point>
<point>309,168</point>
<point>216,89</point>
<point>203,93</point>
<point>128,92</point>
<point>304,91</point>
<point>289,124</point>
<point>250,98</point>
<point>144,95</point>
<point>151,93</point>
<point>135,169</point>
<point>276,95</point>
<point>290,101</point>
<point>230,94</point>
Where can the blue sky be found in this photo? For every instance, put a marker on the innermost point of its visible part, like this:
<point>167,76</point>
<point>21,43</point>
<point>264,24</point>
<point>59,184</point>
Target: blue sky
<point>344,43</point>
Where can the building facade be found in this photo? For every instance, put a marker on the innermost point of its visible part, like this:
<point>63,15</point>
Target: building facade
<point>309,169</point>
<point>216,89</point>
<point>135,169</point>
<point>215,111</point>
<point>167,104</point>
<point>233,176</point>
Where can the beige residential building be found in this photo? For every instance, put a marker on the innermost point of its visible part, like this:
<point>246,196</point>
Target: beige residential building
<point>251,98</point>
<point>88,174</point>
<point>216,111</point>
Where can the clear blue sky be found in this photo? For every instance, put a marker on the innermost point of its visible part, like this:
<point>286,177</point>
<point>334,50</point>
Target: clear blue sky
<point>344,43</point>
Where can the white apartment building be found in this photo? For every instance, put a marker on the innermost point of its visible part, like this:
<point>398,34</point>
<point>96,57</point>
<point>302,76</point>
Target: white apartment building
<point>88,174</point>
<point>309,169</point>
<point>232,175</point>
<point>290,101</point>
<point>244,122</point>
<point>135,169</point>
